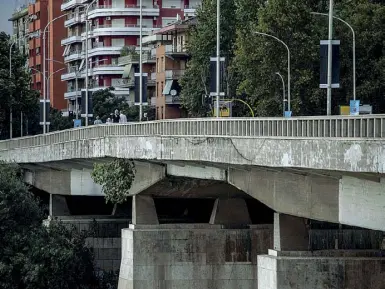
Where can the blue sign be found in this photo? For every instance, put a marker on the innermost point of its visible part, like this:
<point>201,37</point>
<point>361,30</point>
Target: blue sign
<point>354,107</point>
<point>288,114</point>
<point>77,123</point>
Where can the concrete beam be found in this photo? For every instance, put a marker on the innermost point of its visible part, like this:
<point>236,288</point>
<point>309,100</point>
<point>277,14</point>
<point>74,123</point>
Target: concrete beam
<point>51,181</point>
<point>230,212</point>
<point>198,172</point>
<point>362,203</point>
<point>144,211</point>
<point>313,197</point>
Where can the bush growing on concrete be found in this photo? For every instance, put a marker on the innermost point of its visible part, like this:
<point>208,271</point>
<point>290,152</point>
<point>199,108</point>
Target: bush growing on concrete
<point>116,178</point>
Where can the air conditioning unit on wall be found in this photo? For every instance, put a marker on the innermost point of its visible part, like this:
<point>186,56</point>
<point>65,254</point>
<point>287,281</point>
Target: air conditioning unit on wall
<point>108,18</point>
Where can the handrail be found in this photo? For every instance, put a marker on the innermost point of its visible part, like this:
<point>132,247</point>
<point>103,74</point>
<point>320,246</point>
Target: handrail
<point>354,127</point>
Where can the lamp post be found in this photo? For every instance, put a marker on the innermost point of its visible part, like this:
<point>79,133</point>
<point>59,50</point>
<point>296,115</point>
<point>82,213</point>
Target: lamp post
<point>10,76</point>
<point>44,72</point>
<point>283,88</point>
<point>288,64</point>
<point>330,60</point>
<point>354,48</point>
<point>218,53</point>
<point>140,61</point>
<point>86,80</point>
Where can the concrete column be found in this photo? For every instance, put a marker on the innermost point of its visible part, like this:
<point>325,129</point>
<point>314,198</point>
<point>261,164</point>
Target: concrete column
<point>144,211</point>
<point>58,206</point>
<point>290,233</point>
<point>230,212</point>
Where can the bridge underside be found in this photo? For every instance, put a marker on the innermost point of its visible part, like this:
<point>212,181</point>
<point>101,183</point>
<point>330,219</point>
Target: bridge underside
<point>338,197</point>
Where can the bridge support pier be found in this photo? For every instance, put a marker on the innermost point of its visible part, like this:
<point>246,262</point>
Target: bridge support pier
<point>144,211</point>
<point>58,206</point>
<point>191,256</point>
<point>230,212</point>
<point>290,233</point>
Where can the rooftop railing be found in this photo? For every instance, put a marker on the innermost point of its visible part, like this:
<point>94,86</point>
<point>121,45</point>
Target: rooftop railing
<point>348,127</point>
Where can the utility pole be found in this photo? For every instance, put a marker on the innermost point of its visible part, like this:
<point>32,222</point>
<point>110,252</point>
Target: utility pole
<point>330,60</point>
<point>218,54</point>
<point>140,62</point>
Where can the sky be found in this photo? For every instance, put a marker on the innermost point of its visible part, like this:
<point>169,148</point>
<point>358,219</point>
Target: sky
<point>6,9</point>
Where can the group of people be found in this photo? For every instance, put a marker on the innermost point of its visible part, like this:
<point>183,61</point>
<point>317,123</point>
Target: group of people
<point>114,118</point>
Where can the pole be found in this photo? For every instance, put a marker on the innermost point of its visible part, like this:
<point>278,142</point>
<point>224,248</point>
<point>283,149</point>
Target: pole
<point>330,60</point>
<point>10,100</point>
<point>76,94</point>
<point>284,96</point>
<point>140,62</point>
<point>288,67</point>
<point>218,54</point>
<point>21,123</point>
<point>354,48</point>
<point>86,82</point>
<point>45,72</point>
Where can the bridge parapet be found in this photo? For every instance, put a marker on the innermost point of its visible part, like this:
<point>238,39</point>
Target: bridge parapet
<point>350,127</point>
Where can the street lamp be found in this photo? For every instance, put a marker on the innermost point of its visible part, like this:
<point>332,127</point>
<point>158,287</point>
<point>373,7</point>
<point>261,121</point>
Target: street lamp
<point>140,61</point>
<point>283,88</point>
<point>330,60</point>
<point>354,48</point>
<point>44,72</point>
<point>86,80</point>
<point>218,52</point>
<point>288,64</point>
<point>10,76</point>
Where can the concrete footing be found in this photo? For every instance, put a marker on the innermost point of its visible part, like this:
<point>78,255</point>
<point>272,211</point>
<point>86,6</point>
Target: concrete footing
<point>191,256</point>
<point>321,270</point>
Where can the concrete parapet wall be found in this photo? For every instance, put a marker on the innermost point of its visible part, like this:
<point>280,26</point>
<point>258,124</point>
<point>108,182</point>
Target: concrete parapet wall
<point>324,154</point>
<point>307,271</point>
<point>192,256</point>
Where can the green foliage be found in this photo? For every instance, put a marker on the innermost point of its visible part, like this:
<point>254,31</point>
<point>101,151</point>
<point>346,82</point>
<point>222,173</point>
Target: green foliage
<point>15,90</point>
<point>58,121</point>
<point>116,178</point>
<point>201,46</point>
<point>257,58</point>
<point>128,50</point>
<point>31,255</point>
<point>105,103</point>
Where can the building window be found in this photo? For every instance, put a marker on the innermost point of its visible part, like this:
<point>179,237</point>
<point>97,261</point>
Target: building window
<point>161,110</point>
<point>37,50</point>
<point>163,64</point>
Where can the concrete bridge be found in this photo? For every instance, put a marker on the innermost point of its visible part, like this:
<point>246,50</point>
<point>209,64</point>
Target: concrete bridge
<point>320,168</point>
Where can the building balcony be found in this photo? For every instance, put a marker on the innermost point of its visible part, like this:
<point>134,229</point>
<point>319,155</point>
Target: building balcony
<point>70,74</point>
<point>126,30</point>
<point>190,10</point>
<point>176,50</point>
<point>169,99</point>
<point>69,4</point>
<point>127,10</point>
<point>106,69</point>
<point>74,18</point>
<point>74,55</point>
<point>174,74</point>
<point>71,39</point>
<point>72,94</point>
<point>134,59</point>
<point>100,49</point>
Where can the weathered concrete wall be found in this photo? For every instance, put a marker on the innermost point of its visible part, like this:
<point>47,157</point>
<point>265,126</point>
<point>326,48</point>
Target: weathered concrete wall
<point>106,239</point>
<point>303,271</point>
<point>191,256</point>
<point>362,203</point>
<point>313,197</point>
<point>323,154</point>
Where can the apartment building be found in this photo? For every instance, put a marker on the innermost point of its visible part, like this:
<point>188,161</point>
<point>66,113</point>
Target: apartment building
<point>20,26</point>
<point>164,61</point>
<point>113,25</point>
<point>40,13</point>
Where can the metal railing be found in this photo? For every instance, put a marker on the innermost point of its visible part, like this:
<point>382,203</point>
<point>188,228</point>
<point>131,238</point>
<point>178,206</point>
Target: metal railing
<point>365,127</point>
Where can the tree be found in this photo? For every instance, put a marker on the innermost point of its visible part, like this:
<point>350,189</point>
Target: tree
<point>33,256</point>
<point>202,46</point>
<point>258,57</point>
<point>15,90</point>
<point>58,121</point>
<point>116,178</point>
<point>105,103</point>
